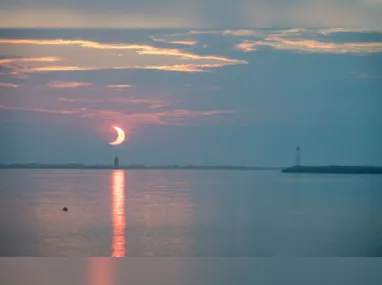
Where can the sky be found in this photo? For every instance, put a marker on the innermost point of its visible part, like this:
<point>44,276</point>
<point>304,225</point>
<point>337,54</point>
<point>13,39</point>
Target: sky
<point>195,14</point>
<point>243,85</point>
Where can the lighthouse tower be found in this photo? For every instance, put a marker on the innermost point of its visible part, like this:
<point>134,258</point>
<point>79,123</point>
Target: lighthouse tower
<point>116,162</point>
<point>298,156</point>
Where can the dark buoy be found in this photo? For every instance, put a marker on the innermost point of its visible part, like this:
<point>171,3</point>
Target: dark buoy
<point>65,209</point>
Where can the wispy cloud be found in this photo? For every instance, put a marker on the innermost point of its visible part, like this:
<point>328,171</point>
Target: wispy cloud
<point>246,46</point>
<point>204,32</point>
<point>175,42</point>
<point>131,56</point>
<point>140,49</point>
<point>300,39</point>
<point>117,100</point>
<point>165,118</point>
<point>57,68</point>
<point>30,59</point>
<point>176,67</point>
<point>158,106</point>
<point>331,31</point>
<point>313,46</point>
<point>9,85</point>
<point>241,33</point>
<point>185,67</point>
<point>20,65</point>
<point>119,86</point>
<point>41,110</point>
<point>238,32</point>
<point>68,84</point>
<point>364,75</point>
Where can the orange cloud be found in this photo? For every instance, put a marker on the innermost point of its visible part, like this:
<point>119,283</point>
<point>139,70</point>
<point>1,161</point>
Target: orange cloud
<point>19,65</point>
<point>30,59</point>
<point>68,84</point>
<point>58,68</point>
<point>187,43</point>
<point>176,42</point>
<point>11,85</point>
<point>169,59</point>
<point>246,46</point>
<point>141,49</point>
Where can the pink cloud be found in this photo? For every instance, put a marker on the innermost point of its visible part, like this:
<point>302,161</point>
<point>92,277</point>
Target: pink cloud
<point>119,100</point>
<point>176,67</point>
<point>166,117</point>
<point>63,112</point>
<point>68,84</point>
<point>10,85</point>
<point>185,67</point>
<point>58,68</point>
<point>119,86</point>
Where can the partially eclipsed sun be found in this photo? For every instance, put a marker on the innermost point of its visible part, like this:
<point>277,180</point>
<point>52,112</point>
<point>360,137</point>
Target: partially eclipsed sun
<point>120,137</point>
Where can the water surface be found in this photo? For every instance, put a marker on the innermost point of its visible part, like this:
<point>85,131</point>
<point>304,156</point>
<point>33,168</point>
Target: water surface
<point>179,213</point>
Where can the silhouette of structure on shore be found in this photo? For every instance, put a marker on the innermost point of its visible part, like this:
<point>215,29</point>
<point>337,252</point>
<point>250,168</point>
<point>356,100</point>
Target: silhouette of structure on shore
<point>116,162</point>
<point>298,156</point>
<point>330,169</point>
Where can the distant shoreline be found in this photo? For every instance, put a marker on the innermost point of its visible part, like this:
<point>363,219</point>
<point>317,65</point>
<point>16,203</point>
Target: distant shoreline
<point>132,167</point>
<point>334,169</point>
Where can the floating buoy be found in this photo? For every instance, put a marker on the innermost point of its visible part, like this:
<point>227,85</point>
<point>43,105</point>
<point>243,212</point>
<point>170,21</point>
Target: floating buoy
<point>65,209</point>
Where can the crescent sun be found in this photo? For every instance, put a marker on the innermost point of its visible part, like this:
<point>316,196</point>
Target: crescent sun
<point>120,137</point>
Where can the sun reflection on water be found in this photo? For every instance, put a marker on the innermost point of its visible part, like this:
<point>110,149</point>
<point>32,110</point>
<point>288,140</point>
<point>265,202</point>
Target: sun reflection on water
<point>118,213</point>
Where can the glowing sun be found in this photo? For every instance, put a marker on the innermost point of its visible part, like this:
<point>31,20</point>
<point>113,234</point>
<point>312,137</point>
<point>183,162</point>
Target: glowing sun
<point>120,138</point>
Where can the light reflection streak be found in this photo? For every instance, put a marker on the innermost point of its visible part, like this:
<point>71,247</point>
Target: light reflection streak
<point>118,213</point>
<point>100,271</point>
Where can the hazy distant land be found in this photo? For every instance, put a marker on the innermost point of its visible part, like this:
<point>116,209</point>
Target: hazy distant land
<point>331,169</point>
<point>334,169</point>
<point>133,166</point>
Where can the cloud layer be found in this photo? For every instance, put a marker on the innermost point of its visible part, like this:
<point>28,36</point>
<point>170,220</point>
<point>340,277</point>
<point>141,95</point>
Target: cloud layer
<point>75,55</point>
<point>69,70</point>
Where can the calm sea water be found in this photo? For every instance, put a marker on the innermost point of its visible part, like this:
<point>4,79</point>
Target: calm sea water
<point>188,213</point>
